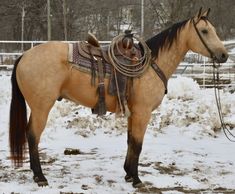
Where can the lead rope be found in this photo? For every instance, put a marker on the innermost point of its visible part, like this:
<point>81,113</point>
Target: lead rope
<point>216,80</point>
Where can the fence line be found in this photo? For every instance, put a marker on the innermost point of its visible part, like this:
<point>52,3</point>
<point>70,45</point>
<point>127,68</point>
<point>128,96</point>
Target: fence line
<point>194,65</point>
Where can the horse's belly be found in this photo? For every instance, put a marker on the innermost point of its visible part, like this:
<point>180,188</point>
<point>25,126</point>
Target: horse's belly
<point>78,88</point>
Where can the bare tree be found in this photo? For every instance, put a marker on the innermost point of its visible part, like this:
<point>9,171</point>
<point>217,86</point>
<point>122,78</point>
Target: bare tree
<point>105,18</point>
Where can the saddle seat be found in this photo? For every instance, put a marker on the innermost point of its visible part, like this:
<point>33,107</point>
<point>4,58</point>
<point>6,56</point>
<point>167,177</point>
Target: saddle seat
<point>91,49</point>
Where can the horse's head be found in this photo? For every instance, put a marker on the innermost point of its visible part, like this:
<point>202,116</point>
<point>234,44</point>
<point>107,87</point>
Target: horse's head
<point>204,40</point>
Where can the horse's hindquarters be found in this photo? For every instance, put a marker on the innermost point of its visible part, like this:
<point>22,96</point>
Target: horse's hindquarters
<point>41,73</point>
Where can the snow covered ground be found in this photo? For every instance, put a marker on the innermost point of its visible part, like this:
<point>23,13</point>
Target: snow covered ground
<point>184,149</point>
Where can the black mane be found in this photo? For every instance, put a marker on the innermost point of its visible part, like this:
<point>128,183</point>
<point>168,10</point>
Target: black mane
<point>165,38</point>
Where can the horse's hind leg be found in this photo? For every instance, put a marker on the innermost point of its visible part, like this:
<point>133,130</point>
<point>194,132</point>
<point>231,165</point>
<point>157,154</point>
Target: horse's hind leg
<point>37,123</point>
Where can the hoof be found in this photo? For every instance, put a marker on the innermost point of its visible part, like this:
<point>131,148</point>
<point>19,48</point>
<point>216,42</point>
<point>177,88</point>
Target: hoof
<point>128,178</point>
<point>137,183</point>
<point>41,181</point>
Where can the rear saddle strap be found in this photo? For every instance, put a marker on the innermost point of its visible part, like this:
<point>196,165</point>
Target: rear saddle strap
<point>100,107</point>
<point>93,73</point>
<point>93,45</point>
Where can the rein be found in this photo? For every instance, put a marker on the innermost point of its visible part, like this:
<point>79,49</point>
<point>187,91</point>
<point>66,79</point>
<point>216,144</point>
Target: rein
<point>216,79</point>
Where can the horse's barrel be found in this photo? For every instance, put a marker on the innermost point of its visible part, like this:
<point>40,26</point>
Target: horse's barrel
<point>127,40</point>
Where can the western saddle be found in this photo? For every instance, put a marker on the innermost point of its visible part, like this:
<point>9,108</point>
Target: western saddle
<point>125,51</point>
<point>92,48</point>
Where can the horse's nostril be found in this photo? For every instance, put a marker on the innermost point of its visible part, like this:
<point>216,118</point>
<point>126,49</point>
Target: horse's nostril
<point>223,56</point>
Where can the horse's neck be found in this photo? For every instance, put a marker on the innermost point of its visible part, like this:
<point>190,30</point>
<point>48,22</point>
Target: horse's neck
<point>169,59</point>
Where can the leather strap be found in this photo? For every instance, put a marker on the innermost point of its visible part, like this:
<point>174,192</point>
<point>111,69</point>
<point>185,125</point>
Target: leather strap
<point>160,73</point>
<point>100,73</point>
<point>100,107</point>
<point>202,40</point>
<point>92,59</point>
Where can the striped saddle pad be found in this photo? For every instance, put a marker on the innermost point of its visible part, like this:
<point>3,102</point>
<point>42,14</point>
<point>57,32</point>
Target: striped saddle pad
<point>84,62</point>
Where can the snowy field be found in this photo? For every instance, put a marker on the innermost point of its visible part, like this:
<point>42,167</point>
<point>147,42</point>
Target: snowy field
<point>184,149</point>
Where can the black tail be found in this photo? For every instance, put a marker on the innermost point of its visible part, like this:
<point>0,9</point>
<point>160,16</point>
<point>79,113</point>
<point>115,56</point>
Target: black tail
<point>18,121</point>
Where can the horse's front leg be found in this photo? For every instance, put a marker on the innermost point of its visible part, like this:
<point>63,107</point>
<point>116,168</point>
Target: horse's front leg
<point>137,124</point>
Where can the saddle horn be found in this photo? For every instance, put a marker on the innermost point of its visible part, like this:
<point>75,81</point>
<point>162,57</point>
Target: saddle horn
<point>127,41</point>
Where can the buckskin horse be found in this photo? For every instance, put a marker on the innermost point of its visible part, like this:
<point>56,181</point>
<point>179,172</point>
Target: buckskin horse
<point>42,75</point>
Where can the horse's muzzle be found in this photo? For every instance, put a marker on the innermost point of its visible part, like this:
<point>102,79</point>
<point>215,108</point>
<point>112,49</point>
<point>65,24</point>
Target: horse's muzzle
<point>221,57</point>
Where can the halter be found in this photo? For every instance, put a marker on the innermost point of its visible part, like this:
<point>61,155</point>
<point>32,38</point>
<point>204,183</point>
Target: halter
<point>202,40</point>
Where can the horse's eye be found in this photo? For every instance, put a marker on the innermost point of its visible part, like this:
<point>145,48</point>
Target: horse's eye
<point>204,31</point>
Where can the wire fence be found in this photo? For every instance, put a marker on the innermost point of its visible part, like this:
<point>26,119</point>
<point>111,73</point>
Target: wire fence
<point>194,65</point>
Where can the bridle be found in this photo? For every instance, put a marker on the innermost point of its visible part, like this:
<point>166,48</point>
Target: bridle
<point>201,38</point>
<point>229,135</point>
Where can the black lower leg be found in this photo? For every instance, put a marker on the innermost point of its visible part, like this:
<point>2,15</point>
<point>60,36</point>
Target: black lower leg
<point>131,162</point>
<point>136,149</point>
<point>35,165</point>
<point>128,176</point>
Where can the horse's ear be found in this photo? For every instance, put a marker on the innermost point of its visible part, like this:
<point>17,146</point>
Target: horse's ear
<point>206,13</point>
<point>198,16</point>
